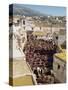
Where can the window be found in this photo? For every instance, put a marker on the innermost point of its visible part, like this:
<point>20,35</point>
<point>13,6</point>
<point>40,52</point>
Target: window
<point>58,67</point>
<point>24,22</point>
<point>17,21</point>
<point>56,37</point>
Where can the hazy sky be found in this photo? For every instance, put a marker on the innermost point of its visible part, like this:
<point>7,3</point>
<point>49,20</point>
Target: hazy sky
<point>50,10</point>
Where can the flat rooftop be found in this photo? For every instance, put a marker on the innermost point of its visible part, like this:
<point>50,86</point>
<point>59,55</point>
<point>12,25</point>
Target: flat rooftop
<point>61,56</point>
<point>20,68</point>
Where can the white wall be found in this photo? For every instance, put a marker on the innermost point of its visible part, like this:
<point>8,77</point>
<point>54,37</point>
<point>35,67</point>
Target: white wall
<point>60,74</point>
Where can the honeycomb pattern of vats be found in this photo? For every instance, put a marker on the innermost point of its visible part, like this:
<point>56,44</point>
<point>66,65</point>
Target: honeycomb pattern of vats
<point>37,60</point>
<point>38,52</point>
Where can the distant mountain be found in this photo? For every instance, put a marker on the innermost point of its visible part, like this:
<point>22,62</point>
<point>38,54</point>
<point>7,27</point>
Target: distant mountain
<point>17,9</point>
